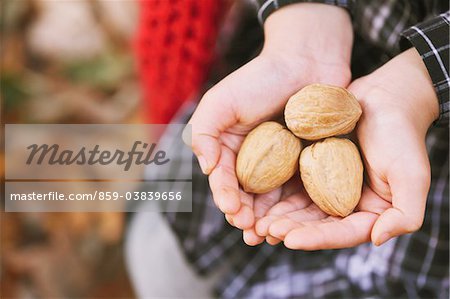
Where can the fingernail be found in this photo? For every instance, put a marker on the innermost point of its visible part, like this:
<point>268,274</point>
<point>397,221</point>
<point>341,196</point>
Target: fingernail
<point>229,219</point>
<point>186,135</point>
<point>382,239</point>
<point>203,164</point>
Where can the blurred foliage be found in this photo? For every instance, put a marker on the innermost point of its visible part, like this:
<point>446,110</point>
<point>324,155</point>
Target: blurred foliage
<point>103,73</point>
<point>14,14</point>
<point>30,74</point>
<point>59,255</point>
<point>13,90</point>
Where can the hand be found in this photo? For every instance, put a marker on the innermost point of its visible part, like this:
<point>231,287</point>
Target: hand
<point>302,225</point>
<point>399,105</point>
<point>261,204</point>
<point>259,90</point>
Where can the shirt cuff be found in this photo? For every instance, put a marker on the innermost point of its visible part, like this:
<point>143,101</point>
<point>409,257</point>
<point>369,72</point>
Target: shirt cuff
<point>431,40</point>
<point>266,7</point>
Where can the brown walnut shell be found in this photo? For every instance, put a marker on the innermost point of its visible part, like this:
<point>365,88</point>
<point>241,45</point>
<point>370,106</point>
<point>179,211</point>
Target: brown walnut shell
<point>318,111</point>
<point>268,158</point>
<point>332,173</point>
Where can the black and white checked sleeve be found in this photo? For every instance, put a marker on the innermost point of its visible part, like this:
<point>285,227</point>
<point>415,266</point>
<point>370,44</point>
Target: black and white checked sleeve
<point>266,7</point>
<point>432,41</point>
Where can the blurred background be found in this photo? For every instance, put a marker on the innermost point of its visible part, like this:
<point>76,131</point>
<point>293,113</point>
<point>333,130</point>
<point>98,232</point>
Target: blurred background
<point>105,61</point>
<point>66,62</point>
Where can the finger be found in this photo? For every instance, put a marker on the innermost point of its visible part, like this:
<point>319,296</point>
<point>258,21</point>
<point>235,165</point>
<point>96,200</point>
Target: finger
<point>263,202</point>
<point>245,217</point>
<point>263,224</point>
<point>281,227</point>
<point>371,202</point>
<point>272,241</point>
<point>251,238</point>
<point>232,140</point>
<point>409,180</point>
<point>224,184</point>
<point>310,213</point>
<point>295,219</point>
<point>229,219</point>
<point>209,120</point>
<point>348,232</point>
<point>292,203</point>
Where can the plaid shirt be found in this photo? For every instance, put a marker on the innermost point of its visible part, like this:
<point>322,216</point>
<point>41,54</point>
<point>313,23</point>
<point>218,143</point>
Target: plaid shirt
<point>414,265</point>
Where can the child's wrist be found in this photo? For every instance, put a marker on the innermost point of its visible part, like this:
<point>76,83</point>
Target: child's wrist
<point>311,30</point>
<point>428,103</point>
<point>408,76</point>
<point>403,86</point>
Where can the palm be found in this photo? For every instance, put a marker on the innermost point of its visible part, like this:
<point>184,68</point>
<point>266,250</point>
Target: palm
<point>234,118</point>
<point>302,225</point>
<point>234,107</point>
<point>393,158</point>
<point>242,209</point>
<point>400,176</point>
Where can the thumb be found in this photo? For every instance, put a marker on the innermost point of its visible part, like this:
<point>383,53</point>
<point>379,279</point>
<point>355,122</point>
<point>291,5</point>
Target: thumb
<point>202,133</point>
<point>409,182</point>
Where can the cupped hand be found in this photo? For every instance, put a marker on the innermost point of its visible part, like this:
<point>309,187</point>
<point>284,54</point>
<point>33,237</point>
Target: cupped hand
<point>399,105</point>
<point>258,91</point>
<point>300,223</point>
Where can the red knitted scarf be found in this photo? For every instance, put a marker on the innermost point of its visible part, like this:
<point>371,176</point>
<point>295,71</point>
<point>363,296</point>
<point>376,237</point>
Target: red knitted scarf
<point>175,48</point>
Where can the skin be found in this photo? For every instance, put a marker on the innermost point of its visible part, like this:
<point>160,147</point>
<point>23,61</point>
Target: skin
<point>399,105</point>
<point>393,121</point>
<point>231,109</point>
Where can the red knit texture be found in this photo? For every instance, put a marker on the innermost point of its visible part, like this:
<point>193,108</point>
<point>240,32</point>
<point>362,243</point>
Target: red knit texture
<point>175,48</point>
